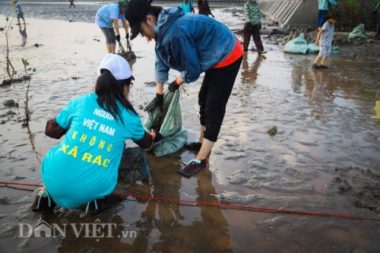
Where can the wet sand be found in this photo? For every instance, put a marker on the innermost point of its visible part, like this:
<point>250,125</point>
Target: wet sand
<point>323,120</point>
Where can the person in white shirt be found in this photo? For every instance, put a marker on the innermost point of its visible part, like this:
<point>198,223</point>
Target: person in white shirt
<point>324,40</point>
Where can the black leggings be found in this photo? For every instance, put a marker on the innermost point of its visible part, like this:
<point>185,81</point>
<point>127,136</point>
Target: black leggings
<point>213,97</point>
<point>254,31</point>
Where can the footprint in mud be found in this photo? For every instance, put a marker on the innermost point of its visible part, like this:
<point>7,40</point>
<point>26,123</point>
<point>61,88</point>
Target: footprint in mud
<point>150,84</point>
<point>10,115</point>
<point>237,179</point>
<point>234,157</point>
<point>10,103</point>
<point>362,184</point>
<point>343,186</point>
<point>234,197</point>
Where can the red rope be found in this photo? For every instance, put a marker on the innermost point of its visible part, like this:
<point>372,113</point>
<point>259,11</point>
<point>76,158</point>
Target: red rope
<point>22,184</point>
<point>224,205</point>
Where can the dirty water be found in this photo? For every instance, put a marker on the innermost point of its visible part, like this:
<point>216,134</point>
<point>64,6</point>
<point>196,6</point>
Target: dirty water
<point>325,137</point>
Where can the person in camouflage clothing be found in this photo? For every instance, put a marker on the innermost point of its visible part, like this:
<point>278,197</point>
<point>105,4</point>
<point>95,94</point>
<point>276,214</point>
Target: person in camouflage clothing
<point>253,26</point>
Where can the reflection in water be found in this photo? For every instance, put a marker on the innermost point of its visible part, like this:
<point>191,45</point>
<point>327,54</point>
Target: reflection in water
<point>317,92</point>
<point>250,75</point>
<point>23,34</point>
<point>248,78</point>
<point>162,227</point>
<point>164,224</point>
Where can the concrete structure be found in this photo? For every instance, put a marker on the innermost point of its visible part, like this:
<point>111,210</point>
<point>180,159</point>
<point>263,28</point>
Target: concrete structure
<point>291,13</point>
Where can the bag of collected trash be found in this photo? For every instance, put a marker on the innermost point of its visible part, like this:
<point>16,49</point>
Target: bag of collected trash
<point>134,166</point>
<point>357,33</point>
<point>168,123</point>
<point>297,45</point>
<point>313,48</point>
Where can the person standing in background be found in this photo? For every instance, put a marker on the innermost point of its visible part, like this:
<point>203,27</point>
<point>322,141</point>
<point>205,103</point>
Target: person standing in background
<point>187,6</point>
<point>323,8</point>
<point>71,3</point>
<point>19,12</point>
<point>204,8</point>
<point>253,26</point>
<point>107,18</point>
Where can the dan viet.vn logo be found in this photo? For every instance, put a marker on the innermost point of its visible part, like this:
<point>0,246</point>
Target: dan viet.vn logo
<point>96,230</point>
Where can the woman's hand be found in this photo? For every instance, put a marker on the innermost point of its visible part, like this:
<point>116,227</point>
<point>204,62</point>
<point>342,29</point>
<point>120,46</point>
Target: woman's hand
<point>153,134</point>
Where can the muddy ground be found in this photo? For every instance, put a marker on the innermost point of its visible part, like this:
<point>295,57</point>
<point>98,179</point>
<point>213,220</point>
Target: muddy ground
<point>324,156</point>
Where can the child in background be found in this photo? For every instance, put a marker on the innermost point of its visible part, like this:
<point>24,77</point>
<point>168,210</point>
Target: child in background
<point>324,39</point>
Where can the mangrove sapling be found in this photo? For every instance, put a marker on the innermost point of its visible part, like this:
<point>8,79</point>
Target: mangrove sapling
<point>28,112</point>
<point>9,66</point>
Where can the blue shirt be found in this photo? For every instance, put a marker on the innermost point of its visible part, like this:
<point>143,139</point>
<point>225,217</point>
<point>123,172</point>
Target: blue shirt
<point>106,14</point>
<point>191,44</point>
<point>18,9</point>
<point>324,4</point>
<point>84,164</point>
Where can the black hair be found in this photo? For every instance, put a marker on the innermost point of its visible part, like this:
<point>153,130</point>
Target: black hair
<point>154,10</point>
<point>329,16</point>
<point>109,91</point>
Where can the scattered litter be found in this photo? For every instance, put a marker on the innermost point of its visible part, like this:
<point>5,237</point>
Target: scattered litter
<point>297,45</point>
<point>358,33</point>
<point>272,130</point>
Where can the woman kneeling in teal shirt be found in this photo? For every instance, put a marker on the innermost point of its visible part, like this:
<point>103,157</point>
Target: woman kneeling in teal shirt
<point>83,167</point>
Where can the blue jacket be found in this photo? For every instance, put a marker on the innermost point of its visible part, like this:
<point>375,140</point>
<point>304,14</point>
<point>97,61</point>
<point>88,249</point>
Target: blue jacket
<point>324,4</point>
<point>189,43</point>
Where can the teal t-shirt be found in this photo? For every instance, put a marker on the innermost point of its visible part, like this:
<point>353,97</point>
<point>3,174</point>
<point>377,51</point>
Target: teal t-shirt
<point>84,164</point>
<point>187,7</point>
<point>106,14</point>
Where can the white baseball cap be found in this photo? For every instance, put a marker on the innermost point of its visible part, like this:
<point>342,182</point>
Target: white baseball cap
<point>117,65</point>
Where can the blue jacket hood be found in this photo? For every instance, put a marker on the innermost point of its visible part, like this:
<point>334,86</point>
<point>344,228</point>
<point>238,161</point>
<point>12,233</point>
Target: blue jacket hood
<point>165,19</point>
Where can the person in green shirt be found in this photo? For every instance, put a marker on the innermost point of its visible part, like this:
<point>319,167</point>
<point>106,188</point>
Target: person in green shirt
<point>253,26</point>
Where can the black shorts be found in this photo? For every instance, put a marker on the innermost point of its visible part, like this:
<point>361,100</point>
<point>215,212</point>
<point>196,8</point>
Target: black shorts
<point>110,35</point>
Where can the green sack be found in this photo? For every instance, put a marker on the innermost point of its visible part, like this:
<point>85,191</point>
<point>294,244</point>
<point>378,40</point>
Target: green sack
<point>357,33</point>
<point>168,123</point>
<point>313,48</point>
<point>297,45</point>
